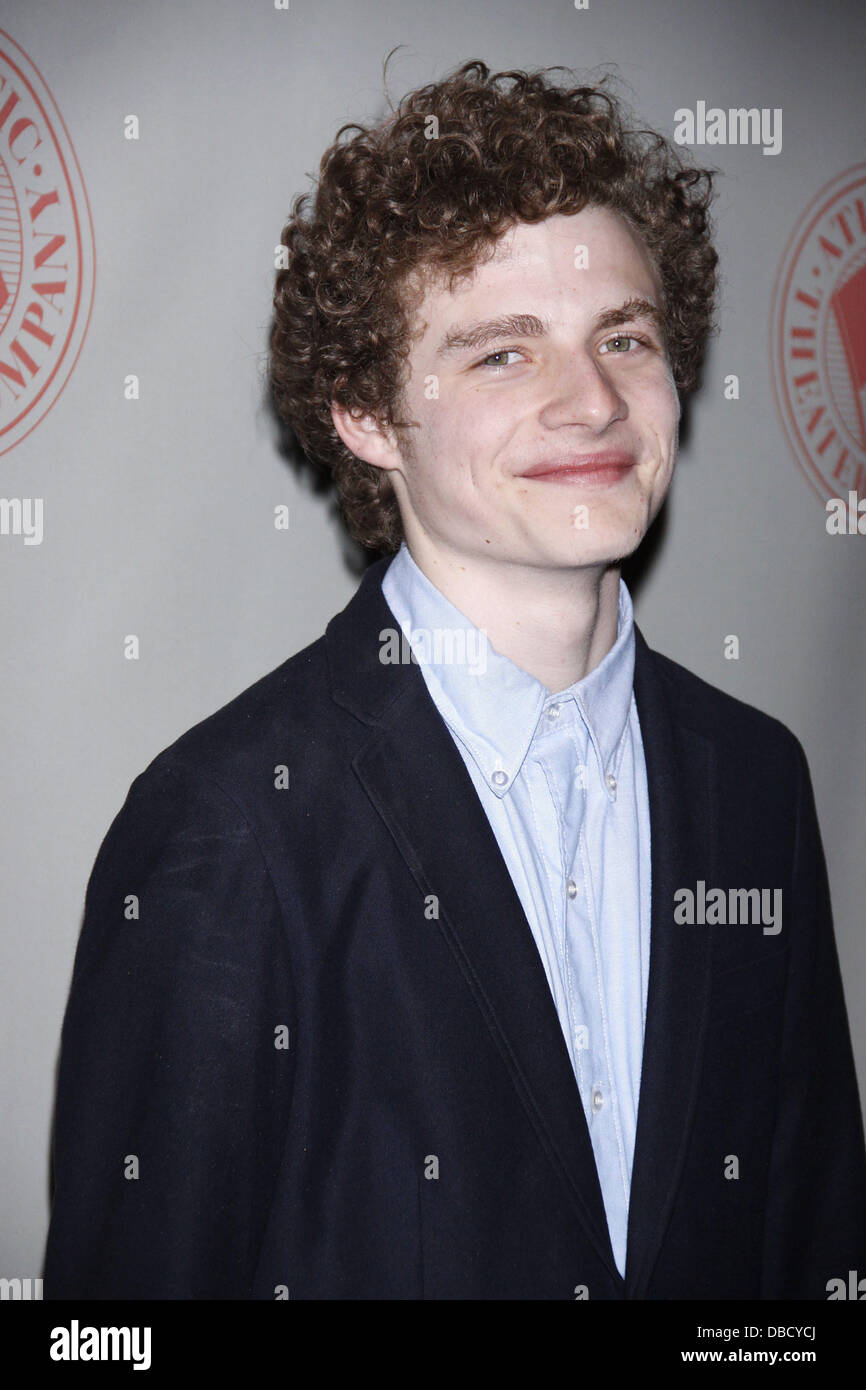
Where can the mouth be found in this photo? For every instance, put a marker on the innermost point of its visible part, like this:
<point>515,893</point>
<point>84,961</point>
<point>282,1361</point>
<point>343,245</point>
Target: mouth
<point>602,468</point>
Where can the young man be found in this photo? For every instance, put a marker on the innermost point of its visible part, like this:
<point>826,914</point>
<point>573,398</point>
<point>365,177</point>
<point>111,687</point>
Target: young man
<point>478,951</point>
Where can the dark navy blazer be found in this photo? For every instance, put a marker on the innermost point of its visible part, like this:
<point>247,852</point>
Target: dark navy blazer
<point>310,1050</point>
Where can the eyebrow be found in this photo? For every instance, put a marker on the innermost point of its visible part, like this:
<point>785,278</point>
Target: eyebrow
<point>473,336</point>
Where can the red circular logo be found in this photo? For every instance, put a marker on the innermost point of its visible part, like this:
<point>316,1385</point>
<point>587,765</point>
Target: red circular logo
<point>819,338</point>
<point>46,248</point>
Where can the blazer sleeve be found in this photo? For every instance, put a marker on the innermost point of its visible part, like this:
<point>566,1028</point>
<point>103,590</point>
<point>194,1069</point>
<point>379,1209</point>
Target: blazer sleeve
<point>815,1226</point>
<point>176,1055</point>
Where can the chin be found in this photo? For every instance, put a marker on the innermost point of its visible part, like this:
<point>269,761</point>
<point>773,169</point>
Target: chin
<point>612,546</point>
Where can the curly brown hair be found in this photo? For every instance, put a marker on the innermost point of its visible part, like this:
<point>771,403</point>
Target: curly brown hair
<point>403,201</point>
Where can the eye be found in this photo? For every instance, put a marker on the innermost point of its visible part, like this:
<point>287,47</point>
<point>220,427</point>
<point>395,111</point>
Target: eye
<point>621,338</point>
<point>500,353</point>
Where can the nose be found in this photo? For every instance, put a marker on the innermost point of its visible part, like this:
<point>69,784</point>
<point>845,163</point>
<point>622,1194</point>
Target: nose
<point>582,393</point>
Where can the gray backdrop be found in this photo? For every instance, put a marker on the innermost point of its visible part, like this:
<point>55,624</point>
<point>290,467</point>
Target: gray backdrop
<point>158,513</point>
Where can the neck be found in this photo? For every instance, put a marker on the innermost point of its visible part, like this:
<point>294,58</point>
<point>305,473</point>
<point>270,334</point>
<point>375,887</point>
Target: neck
<point>556,624</point>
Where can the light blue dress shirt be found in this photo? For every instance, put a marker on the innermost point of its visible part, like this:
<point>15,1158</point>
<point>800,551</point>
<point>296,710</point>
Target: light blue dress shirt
<point>562,780</point>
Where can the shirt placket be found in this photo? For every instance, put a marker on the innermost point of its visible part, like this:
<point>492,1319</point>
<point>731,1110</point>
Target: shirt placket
<point>568,770</point>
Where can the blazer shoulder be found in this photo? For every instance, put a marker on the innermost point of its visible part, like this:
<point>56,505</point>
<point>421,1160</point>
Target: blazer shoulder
<point>728,722</point>
<point>271,721</point>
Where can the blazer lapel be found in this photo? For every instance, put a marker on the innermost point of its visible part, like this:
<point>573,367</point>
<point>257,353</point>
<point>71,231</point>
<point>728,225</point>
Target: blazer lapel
<point>683,829</point>
<point>416,779</point>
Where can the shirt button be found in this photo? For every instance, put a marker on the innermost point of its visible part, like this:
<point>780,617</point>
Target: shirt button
<point>500,779</point>
<point>611,784</point>
<point>571,887</point>
<point>597,1099</point>
<point>554,711</point>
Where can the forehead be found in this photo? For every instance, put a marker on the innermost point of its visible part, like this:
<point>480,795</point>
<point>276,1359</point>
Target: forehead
<point>602,230</point>
<point>584,257</point>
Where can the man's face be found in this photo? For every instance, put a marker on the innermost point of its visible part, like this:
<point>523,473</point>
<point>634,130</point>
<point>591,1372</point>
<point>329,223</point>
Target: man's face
<point>581,371</point>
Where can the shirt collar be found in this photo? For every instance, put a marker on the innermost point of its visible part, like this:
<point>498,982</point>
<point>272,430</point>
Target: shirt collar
<point>490,704</point>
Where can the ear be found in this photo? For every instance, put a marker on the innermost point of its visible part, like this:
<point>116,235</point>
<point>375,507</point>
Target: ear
<point>366,437</point>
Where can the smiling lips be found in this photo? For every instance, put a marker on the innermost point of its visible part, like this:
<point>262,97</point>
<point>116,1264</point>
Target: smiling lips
<point>606,467</point>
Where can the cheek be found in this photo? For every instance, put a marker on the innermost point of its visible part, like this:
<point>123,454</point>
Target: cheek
<point>671,405</point>
<point>445,445</point>
<point>459,431</point>
<point>659,408</point>
<point>485,423</point>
